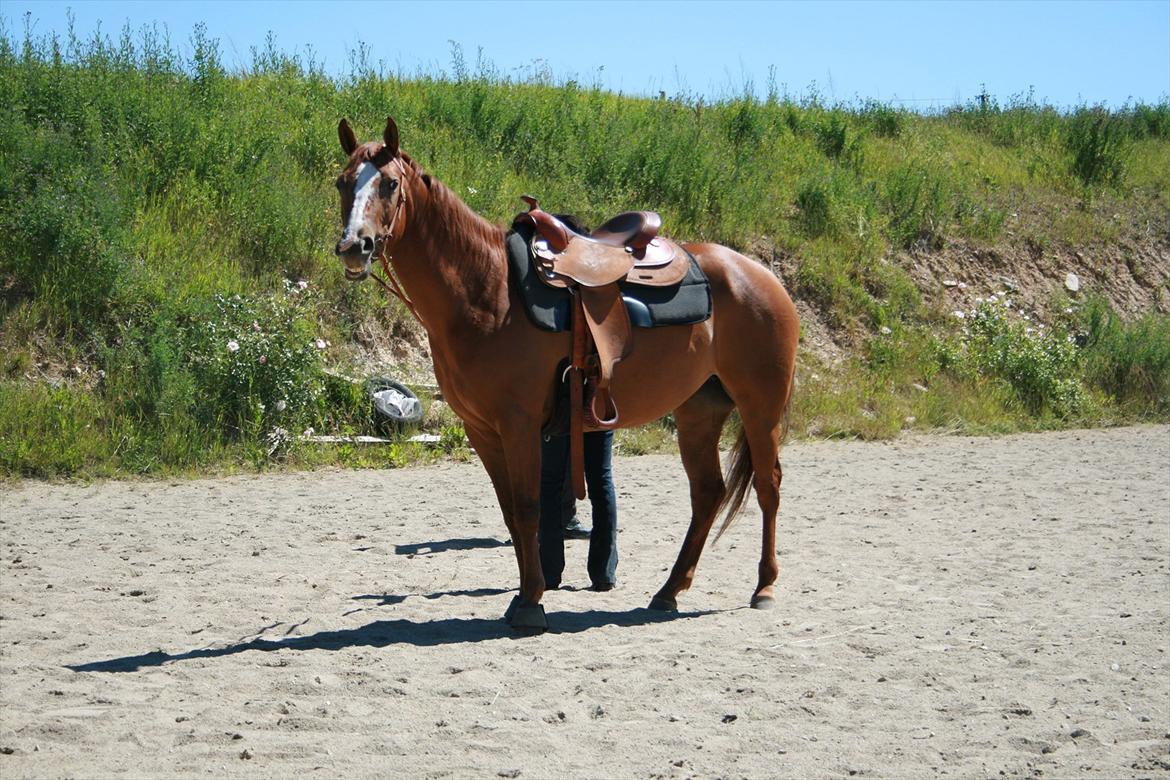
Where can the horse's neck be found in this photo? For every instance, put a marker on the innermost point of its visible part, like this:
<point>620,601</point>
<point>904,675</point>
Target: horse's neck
<point>453,266</point>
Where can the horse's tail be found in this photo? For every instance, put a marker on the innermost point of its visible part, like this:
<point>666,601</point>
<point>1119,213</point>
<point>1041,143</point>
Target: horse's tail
<point>739,476</point>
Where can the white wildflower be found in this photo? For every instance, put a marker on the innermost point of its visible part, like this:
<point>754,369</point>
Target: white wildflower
<point>303,284</point>
<point>886,331</point>
<point>233,346</point>
<point>281,405</point>
<point>320,343</point>
<point>959,314</point>
<point>472,190</point>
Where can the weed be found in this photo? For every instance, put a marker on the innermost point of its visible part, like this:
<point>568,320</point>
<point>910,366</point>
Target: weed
<point>814,205</point>
<point>917,202</point>
<point>255,362</point>
<point>648,439</point>
<point>1039,364</point>
<point>1098,143</point>
<point>1129,362</point>
<point>52,432</point>
<point>885,120</point>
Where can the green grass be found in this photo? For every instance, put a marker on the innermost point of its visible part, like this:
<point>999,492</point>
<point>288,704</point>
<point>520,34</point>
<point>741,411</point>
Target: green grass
<point>153,206</point>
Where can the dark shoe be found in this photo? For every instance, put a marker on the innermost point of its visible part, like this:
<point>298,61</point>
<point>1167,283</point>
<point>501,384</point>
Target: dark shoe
<point>601,587</point>
<point>574,530</point>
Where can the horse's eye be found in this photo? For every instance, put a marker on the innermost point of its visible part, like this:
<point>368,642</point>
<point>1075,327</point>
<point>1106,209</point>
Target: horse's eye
<point>389,185</point>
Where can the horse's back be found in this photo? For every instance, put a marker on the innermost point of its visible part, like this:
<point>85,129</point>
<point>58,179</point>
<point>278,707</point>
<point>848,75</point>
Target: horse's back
<point>736,279</point>
<point>749,341</point>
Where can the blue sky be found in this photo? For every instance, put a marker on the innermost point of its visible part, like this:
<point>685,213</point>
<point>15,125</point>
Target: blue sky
<point>920,54</point>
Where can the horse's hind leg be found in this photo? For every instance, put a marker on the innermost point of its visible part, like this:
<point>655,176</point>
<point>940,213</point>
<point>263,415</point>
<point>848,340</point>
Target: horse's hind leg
<point>763,441</point>
<point>700,421</point>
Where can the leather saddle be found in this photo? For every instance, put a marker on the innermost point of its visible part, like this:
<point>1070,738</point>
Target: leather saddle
<point>625,247</point>
<point>591,266</point>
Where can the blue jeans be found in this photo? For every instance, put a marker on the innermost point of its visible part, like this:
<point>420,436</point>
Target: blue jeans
<point>554,461</point>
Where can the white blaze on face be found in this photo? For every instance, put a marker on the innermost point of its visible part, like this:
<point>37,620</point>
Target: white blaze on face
<point>363,190</point>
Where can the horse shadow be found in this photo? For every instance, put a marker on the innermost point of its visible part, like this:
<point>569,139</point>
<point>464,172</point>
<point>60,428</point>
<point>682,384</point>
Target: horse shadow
<point>430,548</point>
<point>390,599</point>
<point>391,633</point>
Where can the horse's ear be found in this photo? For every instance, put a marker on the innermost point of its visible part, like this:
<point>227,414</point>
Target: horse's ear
<point>346,136</point>
<point>390,136</point>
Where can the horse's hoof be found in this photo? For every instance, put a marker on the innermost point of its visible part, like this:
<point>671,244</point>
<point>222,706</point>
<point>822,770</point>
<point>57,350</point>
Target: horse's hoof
<point>528,619</point>
<point>763,602</point>
<point>663,604</point>
<point>511,610</point>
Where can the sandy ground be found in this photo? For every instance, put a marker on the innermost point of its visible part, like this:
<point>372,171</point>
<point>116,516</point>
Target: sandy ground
<point>947,606</point>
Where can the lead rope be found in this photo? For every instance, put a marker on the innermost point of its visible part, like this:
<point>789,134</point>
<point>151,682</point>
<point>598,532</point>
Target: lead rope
<point>393,287</point>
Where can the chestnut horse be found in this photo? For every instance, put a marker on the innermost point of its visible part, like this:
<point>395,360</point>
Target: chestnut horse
<point>496,369</point>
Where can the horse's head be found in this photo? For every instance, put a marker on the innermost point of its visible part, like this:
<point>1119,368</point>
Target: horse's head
<point>373,198</point>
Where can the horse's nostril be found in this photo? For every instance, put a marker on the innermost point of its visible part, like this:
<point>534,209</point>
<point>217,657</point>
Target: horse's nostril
<point>367,245</point>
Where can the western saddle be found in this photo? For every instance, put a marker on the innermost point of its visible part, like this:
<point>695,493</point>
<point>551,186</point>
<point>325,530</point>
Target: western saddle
<point>591,266</point>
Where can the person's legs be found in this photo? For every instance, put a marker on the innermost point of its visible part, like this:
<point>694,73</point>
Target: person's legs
<point>573,527</point>
<point>554,454</point>
<point>603,556</point>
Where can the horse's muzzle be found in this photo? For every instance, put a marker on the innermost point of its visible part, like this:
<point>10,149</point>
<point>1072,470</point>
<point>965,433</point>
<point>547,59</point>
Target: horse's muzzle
<point>355,256</point>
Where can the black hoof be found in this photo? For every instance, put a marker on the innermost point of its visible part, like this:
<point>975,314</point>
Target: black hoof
<point>511,610</point>
<point>663,604</point>
<point>763,602</point>
<point>528,619</point>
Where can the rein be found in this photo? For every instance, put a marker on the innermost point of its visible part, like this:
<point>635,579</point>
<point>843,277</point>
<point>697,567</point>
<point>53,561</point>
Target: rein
<point>394,287</point>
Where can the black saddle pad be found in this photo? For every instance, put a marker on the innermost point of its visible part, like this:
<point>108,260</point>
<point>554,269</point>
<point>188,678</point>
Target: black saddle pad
<point>686,303</point>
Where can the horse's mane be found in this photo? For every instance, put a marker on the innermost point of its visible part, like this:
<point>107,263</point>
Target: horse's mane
<point>474,242</point>
<point>451,215</point>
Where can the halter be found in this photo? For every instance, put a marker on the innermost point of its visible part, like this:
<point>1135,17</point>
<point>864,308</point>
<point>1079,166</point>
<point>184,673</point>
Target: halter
<point>394,287</point>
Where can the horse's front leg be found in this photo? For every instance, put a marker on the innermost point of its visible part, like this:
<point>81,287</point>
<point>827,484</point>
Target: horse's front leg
<point>490,450</point>
<point>522,452</point>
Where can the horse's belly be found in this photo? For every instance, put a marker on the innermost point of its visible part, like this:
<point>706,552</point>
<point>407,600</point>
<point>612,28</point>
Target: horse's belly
<point>665,367</point>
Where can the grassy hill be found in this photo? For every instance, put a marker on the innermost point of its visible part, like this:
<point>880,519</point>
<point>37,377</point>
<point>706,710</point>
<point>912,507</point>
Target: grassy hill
<point>171,302</point>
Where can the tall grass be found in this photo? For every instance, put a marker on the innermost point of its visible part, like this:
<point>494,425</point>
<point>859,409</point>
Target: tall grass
<point>1128,362</point>
<point>154,205</point>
